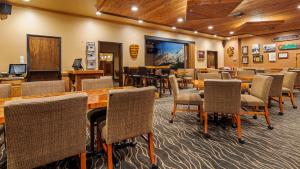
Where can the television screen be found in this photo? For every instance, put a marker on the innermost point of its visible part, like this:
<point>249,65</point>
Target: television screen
<point>5,8</point>
<point>17,69</point>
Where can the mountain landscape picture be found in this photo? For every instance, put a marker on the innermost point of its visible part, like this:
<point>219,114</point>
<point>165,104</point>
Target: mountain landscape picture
<point>169,53</point>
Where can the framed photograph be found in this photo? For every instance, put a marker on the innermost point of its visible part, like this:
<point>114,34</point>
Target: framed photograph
<point>201,55</point>
<point>258,58</point>
<point>269,48</point>
<point>245,50</point>
<point>245,60</point>
<point>272,57</point>
<point>91,65</point>
<point>255,49</point>
<point>90,56</point>
<point>283,55</point>
<point>90,46</point>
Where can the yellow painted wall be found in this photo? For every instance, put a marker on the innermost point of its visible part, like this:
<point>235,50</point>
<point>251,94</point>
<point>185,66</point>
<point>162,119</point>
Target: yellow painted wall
<point>76,31</point>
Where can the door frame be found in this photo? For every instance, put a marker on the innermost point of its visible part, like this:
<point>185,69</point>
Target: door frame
<point>216,58</point>
<point>120,59</point>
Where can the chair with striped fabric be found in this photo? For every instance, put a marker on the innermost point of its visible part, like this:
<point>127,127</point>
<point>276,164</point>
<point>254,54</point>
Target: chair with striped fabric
<point>288,86</point>
<point>5,90</point>
<point>42,87</point>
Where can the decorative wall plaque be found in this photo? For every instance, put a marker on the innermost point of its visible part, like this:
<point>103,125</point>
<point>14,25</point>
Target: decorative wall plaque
<point>291,46</point>
<point>230,51</point>
<point>134,50</point>
<point>286,38</point>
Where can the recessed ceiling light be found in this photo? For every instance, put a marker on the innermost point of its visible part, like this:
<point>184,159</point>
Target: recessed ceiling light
<point>173,27</point>
<point>98,13</point>
<point>134,8</point>
<point>26,0</point>
<point>298,6</point>
<point>231,32</point>
<point>215,36</point>
<point>140,21</point>
<point>195,32</point>
<point>210,27</point>
<point>180,20</point>
<point>228,38</point>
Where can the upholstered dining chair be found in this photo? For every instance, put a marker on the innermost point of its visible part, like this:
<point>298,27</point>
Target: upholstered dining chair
<point>188,77</point>
<point>96,114</point>
<point>288,86</point>
<point>225,75</point>
<point>258,97</point>
<point>190,99</point>
<point>297,82</point>
<point>5,90</point>
<point>203,76</point>
<point>276,90</point>
<point>92,84</point>
<point>42,87</point>
<point>44,130</point>
<point>128,118</point>
<point>246,73</point>
<point>223,96</point>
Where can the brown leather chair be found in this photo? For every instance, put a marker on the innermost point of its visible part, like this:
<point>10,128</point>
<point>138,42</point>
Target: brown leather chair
<point>128,118</point>
<point>44,130</point>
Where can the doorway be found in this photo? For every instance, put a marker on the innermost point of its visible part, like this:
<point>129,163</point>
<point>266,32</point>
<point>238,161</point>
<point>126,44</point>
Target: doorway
<point>110,59</point>
<point>212,59</point>
<point>297,60</point>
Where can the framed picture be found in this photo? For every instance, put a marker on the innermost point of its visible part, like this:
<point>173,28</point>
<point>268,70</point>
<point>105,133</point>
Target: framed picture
<point>91,65</point>
<point>258,58</point>
<point>245,50</point>
<point>272,57</point>
<point>201,55</point>
<point>245,60</point>
<point>255,49</point>
<point>269,47</point>
<point>283,55</point>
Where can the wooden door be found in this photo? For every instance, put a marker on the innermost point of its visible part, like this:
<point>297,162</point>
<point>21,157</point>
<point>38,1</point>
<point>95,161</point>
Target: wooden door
<point>298,60</point>
<point>212,59</point>
<point>44,58</point>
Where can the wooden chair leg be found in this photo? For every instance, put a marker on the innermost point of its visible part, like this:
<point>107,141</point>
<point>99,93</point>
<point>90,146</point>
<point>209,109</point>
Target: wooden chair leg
<point>151,148</point>
<point>206,125</point>
<point>267,116</point>
<point>82,160</point>
<point>293,100</point>
<point>239,128</point>
<point>200,114</point>
<point>280,105</point>
<point>92,127</point>
<point>98,140</point>
<point>173,113</point>
<point>109,157</point>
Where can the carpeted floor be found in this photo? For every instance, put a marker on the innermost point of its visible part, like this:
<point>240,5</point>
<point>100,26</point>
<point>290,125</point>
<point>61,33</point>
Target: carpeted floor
<point>181,145</point>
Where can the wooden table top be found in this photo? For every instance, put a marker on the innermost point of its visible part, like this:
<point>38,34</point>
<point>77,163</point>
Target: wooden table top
<point>247,78</point>
<point>199,84</point>
<point>96,99</point>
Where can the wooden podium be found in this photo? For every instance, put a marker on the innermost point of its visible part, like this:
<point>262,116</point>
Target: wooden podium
<point>77,75</point>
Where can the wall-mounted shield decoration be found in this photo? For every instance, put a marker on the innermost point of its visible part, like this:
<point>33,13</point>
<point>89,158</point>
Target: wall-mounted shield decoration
<point>230,51</point>
<point>134,50</point>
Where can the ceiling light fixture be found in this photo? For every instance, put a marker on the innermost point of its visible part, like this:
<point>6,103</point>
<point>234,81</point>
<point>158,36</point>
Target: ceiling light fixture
<point>215,36</point>
<point>134,8</point>
<point>140,21</point>
<point>26,0</point>
<point>173,27</point>
<point>195,32</point>
<point>231,32</point>
<point>180,20</point>
<point>298,6</point>
<point>98,13</point>
<point>210,27</point>
<point>228,38</point>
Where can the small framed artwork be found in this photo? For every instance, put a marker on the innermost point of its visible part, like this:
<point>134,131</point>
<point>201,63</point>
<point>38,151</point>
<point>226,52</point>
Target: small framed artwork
<point>258,58</point>
<point>272,57</point>
<point>245,60</point>
<point>255,49</point>
<point>201,55</point>
<point>245,50</point>
<point>269,48</point>
<point>283,55</point>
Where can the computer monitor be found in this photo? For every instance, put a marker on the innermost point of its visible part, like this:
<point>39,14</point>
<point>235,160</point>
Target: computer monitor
<point>77,64</point>
<point>17,69</point>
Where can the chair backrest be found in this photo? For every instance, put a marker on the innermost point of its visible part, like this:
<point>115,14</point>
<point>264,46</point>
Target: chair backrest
<point>5,90</point>
<point>127,118</point>
<point>297,82</point>
<point>241,73</point>
<point>225,75</point>
<point>92,84</point>
<point>203,76</point>
<point>222,96</point>
<point>276,87</point>
<point>212,70</point>
<point>44,130</point>
<point>42,87</point>
<point>190,73</point>
<point>261,86</point>
<point>289,80</point>
<point>174,85</point>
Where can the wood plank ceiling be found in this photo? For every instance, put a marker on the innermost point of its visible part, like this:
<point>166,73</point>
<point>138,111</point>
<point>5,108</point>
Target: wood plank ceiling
<point>255,17</point>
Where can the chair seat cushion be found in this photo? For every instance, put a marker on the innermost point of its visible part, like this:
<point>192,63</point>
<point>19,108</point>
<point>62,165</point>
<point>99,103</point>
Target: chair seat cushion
<point>201,93</point>
<point>249,100</point>
<point>189,98</point>
<point>188,78</point>
<point>285,90</point>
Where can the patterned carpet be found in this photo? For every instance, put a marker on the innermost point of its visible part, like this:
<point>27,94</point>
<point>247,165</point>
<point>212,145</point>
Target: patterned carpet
<point>181,145</point>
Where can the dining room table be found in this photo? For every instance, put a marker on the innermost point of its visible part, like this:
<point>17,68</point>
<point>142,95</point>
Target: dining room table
<point>199,84</point>
<point>96,98</point>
